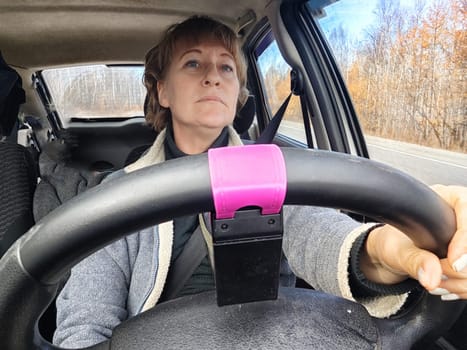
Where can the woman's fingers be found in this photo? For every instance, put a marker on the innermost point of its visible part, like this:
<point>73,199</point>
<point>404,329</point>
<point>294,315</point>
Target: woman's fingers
<point>428,269</point>
<point>453,284</point>
<point>456,197</point>
<point>435,275</point>
<point>393,254</point>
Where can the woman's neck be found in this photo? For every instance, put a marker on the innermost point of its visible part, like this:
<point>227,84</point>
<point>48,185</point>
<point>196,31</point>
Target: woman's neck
<point>191,141</point>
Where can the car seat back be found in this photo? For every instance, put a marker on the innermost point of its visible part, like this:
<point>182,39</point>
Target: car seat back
<point>60,181</point>
<point>18,178</point>
<point>18,174</point>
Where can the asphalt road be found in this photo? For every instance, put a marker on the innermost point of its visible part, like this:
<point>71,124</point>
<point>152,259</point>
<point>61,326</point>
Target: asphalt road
<point>429,165</point>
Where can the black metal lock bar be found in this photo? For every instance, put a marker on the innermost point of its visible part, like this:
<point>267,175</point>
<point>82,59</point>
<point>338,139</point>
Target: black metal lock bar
<point>247,256</point>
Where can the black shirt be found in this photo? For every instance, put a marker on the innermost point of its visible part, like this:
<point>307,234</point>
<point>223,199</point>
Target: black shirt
<point>202,279</point>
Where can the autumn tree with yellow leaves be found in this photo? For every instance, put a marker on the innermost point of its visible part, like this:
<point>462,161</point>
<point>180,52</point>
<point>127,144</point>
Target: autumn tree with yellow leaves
<point>408,81</point>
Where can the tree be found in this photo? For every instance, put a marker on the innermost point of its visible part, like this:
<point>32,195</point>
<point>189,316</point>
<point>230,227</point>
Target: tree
<point>408,78</point>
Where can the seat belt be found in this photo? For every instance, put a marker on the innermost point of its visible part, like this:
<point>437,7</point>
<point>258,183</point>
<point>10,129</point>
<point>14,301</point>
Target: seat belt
<point>306,120</point>
<point>271,129</point>
<point>296,88</point>
<point>208,239</point>
<point>183,267</point>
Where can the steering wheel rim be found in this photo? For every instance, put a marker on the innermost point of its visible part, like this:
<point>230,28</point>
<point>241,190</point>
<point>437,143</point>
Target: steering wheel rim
<point>33,267</point>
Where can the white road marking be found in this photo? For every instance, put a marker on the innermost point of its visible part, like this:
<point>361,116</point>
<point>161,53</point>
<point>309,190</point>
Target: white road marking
<point>416,156</point>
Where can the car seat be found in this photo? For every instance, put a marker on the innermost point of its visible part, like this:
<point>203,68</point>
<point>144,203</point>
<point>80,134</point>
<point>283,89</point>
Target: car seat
<point>18,173</point>
<point>60,181</point>
<point>244,118</point>
<point>18,178</point>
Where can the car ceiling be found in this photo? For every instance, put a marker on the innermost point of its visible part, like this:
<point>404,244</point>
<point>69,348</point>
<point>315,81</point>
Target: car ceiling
<point>38,33</point>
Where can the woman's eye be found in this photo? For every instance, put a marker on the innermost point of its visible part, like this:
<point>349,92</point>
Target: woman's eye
<point>227,68</point>
<point>192,64</point>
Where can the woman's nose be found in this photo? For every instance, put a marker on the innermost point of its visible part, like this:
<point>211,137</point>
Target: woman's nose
<point>212,76</point>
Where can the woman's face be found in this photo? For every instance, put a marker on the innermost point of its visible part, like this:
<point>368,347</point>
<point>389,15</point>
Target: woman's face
<point>201,88</point>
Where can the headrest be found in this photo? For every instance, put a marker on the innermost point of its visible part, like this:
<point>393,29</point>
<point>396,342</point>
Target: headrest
<point>11,97</point>
<point>243,119</point>
<point>245,116</point>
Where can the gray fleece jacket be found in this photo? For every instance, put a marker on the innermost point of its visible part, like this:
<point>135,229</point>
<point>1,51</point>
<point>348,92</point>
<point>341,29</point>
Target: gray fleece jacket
<point>128,276</point>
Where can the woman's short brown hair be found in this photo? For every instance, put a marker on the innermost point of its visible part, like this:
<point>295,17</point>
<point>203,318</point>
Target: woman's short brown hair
<point>157,62</point>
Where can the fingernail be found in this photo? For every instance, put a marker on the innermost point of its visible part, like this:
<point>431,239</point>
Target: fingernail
<point>444,278</point>
<point>460,264</point>
<point>439,291</point>
<point>421,276</point>
<point>449,297</point>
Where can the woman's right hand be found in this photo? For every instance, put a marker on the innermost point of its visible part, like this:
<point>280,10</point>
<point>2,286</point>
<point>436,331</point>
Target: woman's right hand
<point>390,256</point>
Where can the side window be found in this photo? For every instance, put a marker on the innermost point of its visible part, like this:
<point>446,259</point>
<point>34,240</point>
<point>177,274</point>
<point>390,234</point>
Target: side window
<point>404,66</point>
<point>275,74</point>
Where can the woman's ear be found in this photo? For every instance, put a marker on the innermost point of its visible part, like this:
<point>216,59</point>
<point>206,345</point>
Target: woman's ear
<point>161,93</point>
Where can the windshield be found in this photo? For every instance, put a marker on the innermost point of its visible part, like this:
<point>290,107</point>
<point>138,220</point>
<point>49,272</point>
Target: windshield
<point>96,92</point>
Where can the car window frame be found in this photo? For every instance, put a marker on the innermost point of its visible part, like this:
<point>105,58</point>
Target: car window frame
<point>332,102</point>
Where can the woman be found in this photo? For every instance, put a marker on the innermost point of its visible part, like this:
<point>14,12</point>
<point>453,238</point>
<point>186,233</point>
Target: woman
<point>196,79</point>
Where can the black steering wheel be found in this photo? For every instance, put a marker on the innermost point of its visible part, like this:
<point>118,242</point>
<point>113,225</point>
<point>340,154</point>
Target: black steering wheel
<point>33,267</point>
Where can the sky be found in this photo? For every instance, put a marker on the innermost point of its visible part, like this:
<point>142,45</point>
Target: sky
<point>358,13</point>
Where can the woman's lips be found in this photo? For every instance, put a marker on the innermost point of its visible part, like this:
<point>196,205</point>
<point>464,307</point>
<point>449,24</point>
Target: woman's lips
<point>211,99</point>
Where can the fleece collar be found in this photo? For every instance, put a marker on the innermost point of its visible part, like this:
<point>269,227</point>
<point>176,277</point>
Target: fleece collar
<point>156,153</point>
